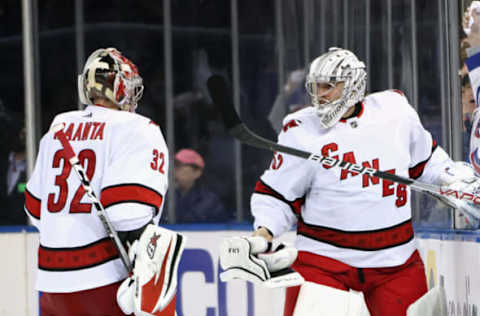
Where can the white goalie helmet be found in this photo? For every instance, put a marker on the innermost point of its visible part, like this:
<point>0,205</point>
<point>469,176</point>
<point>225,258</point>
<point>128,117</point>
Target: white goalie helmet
<point>108,74</point>
<point>337,65</point>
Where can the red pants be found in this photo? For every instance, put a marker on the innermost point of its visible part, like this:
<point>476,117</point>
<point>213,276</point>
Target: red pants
<point>101,301</point>
<point>387,291</point>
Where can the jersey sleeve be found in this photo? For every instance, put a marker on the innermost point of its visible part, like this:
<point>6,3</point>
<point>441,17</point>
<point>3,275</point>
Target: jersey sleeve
<point>279,194</point>
<point>136,177</point>
<point>33,190</point>
<point>427,158</point>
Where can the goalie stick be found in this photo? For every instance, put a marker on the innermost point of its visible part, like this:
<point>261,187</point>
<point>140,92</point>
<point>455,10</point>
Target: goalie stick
<point>75,163</point>
<point>222,99</point>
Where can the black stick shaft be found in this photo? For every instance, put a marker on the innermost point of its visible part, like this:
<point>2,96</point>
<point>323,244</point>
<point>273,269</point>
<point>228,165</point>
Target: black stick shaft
<point>222,99</point>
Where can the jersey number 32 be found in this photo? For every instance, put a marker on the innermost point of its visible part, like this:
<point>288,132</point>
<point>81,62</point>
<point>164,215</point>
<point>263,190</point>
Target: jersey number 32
<point>87,158</point>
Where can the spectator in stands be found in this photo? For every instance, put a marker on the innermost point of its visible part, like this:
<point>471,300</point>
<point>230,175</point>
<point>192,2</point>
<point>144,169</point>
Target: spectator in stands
<point>193,201</point>
<point>291,99</point>
<point>193,111</point>
<point>16,180</point>
<point>12,168</point>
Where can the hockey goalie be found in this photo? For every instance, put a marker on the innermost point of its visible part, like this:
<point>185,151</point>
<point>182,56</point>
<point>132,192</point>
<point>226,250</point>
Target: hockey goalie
<point>354,231</point>
<point>83,266</point>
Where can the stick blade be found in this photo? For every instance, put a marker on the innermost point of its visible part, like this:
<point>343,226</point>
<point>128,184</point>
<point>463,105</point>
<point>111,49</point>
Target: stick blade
<point>223,100</point>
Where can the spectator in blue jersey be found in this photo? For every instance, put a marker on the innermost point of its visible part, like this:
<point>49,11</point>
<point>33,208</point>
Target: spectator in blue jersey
<point>194,202</point>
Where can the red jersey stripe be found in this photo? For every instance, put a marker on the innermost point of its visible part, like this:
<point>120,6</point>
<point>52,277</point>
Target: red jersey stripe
<point>65,259</point>
<point>360,240</point>
<point>32,204</point>
<point>128,193</point>
<point>416,171</point>
<point>295,205</point>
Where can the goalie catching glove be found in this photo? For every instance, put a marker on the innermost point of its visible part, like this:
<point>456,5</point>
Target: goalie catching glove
<point>152,287</point>
<point>459,180</point>
<point>246,258</point>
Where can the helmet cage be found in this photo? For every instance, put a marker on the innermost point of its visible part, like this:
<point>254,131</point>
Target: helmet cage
<point>108,74</point>
<point>338,65</point>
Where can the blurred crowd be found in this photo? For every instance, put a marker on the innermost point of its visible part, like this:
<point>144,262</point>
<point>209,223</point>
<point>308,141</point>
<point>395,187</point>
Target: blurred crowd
<point>12,167</point>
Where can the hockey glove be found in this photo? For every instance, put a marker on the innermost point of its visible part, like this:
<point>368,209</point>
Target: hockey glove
<point>246,258</point>
<point>460,177</point>
<point>152,287</point>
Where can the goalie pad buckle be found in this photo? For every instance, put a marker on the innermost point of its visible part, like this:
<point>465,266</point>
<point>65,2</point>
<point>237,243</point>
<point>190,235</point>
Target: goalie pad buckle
<point>153,284</point>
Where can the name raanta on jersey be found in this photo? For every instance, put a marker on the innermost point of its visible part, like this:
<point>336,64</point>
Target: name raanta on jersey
<point>85,131</point>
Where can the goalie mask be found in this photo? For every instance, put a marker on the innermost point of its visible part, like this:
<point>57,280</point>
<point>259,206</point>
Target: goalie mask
<point>108,74</point>
<point>334,67</point>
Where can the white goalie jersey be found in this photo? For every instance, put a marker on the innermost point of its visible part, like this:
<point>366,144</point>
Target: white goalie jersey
<point>126,158</point>
<point>356,219</point>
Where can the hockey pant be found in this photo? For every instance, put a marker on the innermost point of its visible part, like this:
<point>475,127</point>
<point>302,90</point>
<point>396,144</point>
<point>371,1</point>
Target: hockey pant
<point>95,302</point>
<point>387,291</point>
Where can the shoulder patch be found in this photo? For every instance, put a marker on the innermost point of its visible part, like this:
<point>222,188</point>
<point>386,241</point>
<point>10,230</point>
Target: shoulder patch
<point>290,124</point>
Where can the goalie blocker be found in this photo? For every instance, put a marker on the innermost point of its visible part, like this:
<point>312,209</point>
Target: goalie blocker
<point>151,289</point>
<point>249,259</point>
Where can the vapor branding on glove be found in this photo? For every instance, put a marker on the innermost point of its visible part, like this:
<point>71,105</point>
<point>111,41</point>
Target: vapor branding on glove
<point>460,195</point>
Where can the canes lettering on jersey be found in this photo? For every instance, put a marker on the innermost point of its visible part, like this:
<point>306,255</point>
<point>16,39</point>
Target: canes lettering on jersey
<point>388,187</point>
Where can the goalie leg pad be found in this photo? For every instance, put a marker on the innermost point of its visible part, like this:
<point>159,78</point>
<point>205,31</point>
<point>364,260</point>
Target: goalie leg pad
<point>320,300</point>
<point>169,310</point>
<point>153,283</point>
<point>125,295</point>
<point>432,303</point>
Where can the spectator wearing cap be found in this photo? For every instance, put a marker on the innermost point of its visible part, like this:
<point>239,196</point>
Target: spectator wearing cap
<point>194,202</point>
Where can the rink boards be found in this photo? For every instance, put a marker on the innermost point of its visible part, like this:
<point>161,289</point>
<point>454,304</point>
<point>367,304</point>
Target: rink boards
<point>452,259</point>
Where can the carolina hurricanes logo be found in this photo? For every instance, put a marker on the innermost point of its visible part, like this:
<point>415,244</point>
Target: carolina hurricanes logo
<point>475,161</point>
<point>152,245</point>
<point>291,124</point>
